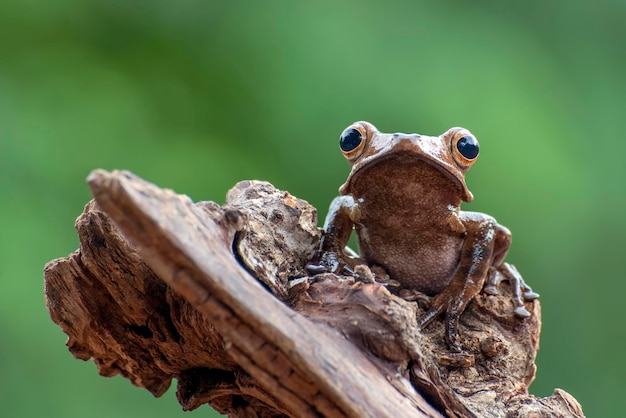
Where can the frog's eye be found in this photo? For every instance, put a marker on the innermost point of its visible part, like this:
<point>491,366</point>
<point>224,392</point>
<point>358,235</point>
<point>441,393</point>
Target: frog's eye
<point>468,147</point>
<point>350,141</point>
<point>465,148</point>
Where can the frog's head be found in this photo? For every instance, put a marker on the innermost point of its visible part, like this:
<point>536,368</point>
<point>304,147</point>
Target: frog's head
<point>452,153</point>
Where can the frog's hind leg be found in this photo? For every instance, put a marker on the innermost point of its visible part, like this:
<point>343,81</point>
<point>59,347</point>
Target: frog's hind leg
<point>500,270</point>
<point>467,282</point>
<point>337,230</point>
<point>500,249</point>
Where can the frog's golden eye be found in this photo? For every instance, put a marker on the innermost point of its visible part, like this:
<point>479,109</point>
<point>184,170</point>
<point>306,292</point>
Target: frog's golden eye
<point>351,141</point>
<point>468,147</point>
<point>465,148</point>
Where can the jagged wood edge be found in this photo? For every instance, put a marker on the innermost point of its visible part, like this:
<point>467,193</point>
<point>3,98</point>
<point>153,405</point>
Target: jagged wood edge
<point>185,249</point>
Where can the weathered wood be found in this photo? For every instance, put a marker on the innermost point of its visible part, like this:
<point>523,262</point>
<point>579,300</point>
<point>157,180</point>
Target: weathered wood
<point>218,297</point>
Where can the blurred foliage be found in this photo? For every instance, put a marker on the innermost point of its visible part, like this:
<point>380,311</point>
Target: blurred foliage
<point>196,95</point>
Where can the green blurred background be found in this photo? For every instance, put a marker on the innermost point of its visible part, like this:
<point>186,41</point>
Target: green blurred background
<point>196,95</point>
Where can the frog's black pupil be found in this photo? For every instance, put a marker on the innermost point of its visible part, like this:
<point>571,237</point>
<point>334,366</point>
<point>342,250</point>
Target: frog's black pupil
<point>468,147</point>
<point>350,139</point>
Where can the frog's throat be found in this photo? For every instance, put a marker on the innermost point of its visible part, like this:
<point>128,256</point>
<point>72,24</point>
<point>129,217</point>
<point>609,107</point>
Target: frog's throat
<point>459,180</point>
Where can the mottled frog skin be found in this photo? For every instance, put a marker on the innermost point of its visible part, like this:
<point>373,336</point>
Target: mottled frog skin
<point>403,198</point>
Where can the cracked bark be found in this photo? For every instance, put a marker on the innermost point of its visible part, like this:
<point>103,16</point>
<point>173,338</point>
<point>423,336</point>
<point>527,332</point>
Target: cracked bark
<point>218,298</point>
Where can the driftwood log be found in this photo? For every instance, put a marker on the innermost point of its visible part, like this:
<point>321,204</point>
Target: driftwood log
<point>218,297</point>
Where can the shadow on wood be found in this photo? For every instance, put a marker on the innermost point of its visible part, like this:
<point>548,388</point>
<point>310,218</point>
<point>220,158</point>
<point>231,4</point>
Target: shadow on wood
<point>218,297</point>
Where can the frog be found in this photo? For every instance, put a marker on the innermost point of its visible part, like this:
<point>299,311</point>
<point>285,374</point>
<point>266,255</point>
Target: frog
<point>403,198</point>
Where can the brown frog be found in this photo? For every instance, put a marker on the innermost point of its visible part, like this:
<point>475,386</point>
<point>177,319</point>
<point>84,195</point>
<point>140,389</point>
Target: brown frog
<point>403,197</point>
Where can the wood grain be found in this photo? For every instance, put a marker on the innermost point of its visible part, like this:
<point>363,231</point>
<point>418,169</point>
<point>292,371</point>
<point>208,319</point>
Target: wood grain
<point>218,297</point>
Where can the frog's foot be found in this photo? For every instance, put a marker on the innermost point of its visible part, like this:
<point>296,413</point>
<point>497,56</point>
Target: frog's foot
<point>453,306</point>
<point>456,356</point>
<point>412,295</point>
<point>329,261</point>
<point>521,291</point>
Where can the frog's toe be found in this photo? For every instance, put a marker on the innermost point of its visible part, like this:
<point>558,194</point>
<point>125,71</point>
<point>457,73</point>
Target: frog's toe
<point>433,312</point>
<point>492,281</point>
<point>491,289</point>
<point>530,295</point>
<point>325,262</point>
<point>412,295</point>
<point>316,268</point>
<point>521,312</point>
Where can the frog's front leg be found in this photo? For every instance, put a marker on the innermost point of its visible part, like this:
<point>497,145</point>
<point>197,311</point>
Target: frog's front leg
<point>342,215</point>
<point>521,291</point>
<point>476,256</point>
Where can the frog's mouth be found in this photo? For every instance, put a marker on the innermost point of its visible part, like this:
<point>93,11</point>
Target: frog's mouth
<point>407,156</point>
